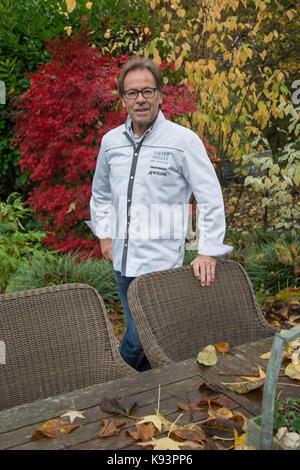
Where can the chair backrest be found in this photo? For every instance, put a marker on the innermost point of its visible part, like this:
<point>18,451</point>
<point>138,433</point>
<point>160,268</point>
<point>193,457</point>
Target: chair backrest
<point>57,339</point>
<point>176,317</point>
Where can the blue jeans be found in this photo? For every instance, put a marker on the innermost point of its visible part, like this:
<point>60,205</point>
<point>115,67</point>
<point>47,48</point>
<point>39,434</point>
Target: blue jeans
<point>130,348</point>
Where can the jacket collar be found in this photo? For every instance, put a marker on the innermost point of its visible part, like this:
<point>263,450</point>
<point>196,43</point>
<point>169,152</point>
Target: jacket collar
<point>159,120</point>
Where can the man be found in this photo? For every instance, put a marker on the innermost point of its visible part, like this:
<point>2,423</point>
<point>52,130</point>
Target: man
<point>146,171</point>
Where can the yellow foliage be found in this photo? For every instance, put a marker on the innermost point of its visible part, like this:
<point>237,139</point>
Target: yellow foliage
<point>180,12</point>
<point>71,5</point>
<point>268,37</point>
<point>68,30</point>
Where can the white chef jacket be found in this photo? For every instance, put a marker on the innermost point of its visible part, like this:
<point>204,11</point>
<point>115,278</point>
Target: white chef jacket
<point>140,195</point>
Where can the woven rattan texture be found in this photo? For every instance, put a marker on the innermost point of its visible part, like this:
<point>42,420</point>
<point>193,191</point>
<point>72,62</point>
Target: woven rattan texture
<point>57,339</point>
<point>176,317</point>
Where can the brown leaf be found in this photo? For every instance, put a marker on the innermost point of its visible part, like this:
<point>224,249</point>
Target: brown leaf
<point>223,347</point>
<point>157,420</point>
<point>144,432</point>
<point>54,428</point>
<point>189,408</point>
<point>110,428</point>
<point>186,434</point>
<point>118,405</point>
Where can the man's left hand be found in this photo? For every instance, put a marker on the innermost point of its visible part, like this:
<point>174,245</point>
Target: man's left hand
<point>204,269</point>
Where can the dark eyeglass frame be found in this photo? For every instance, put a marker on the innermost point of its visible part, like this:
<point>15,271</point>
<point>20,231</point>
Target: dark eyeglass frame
<point>137,92</point>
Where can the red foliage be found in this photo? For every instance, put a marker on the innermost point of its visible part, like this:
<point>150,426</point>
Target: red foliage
<point>60,121</point>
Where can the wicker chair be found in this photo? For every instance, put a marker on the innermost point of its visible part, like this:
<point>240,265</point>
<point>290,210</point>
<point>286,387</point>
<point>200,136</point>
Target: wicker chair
<point>57,339</point>
<point>176,317</point>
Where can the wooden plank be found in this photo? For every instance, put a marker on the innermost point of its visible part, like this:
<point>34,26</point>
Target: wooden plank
<point>42,410</point>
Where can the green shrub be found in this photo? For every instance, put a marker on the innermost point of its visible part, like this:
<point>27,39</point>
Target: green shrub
<point>47,269</point>
<point>273,266</point>
<point>17,244</point>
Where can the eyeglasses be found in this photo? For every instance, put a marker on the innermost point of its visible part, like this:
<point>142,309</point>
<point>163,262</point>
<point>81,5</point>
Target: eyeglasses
<point>133,94</point>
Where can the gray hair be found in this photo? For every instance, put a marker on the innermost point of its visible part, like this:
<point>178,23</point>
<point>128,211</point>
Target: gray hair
<point>141,63</point>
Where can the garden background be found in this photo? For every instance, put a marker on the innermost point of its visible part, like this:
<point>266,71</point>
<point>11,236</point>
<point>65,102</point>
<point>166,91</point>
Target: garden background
<point>231,74</point>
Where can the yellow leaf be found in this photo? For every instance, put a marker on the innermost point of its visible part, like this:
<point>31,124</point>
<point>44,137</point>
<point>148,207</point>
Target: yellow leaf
<point>180,12</point>
<point>243,387</point>
<point>178,63</point>
<point>188,67</point>
<point>266,355</point>
<point>293,371</point>
<point>290,14</point>
<point>68,29</point>
<point>268,37</point>
<point>262,375</point>
<point>263,54</point>
<point>208,356</point>
<point>71,5</point>
<point>224,413</point>
<point>88,5</point>
<point>154,419</point>
<point>71,208</point>
<point>156,57</point>
<point>164,443</point>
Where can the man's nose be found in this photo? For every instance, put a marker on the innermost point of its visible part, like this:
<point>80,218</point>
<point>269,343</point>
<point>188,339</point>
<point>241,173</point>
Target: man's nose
<point>140,98</point>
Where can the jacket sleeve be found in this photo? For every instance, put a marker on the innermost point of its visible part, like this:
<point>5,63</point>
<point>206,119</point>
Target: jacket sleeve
<point>200,173</point>
<point>100,203</point>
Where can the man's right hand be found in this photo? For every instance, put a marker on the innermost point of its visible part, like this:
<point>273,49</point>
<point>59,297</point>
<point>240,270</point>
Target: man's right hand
<point>106,248</point>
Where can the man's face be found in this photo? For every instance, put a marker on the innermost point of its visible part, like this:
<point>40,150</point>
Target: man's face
<point>143,111</point>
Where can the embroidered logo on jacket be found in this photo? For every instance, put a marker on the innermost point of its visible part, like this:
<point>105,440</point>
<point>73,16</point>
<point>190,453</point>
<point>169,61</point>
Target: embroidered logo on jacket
<point>157,170</point>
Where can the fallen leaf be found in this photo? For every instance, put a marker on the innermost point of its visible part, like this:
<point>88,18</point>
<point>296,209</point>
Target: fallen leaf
<point>164,443</point>
<point>187,434</point>
<point>110,428</point>
<point>118,405</point>
<point>293,371</point>
<point>186,445</point>
<point>240,419</point>
<point>222,428</point>
<point>208,356</point>
<point>266,355</point>
<point>220,413</point>
<point>73,414</point>
<point>244,387</point>
<point>223,347</point>
<point>262,375</point>
<point>189,407</point>
<point>54,428</point>
<point>154,419</point>
<point>143,432</point>
<point>240,442</point>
